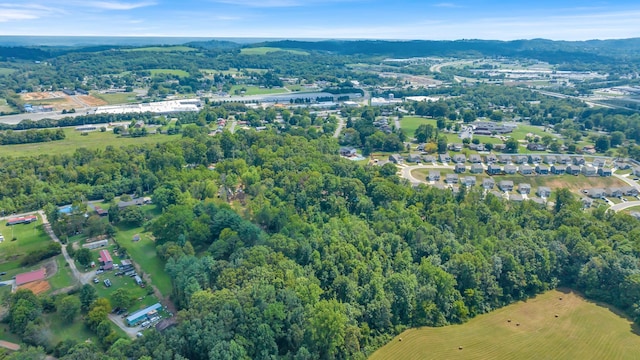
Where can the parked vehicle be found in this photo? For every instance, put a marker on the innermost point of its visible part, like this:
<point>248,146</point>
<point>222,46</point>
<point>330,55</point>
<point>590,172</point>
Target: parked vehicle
<point>107,282</point>
<point>96,280</point>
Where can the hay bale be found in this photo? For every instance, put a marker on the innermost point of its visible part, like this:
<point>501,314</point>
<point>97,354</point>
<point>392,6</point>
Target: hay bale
<point>560,298</point>
<point>399,339</point>
<point>508,320</point>
<point>556,315</point>
<point>459,347</point>
<point>517,324</point>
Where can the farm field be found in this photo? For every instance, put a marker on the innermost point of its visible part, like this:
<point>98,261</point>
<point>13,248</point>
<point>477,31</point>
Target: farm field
<point>75,140</point>
<point>180,73</point>
<point>6,71</point>
<point>581,330</point>
<point>256,90</point>
<point>266,50</point>
<point>143,252</point>
<point>117,98</point>
<point>4,107</point>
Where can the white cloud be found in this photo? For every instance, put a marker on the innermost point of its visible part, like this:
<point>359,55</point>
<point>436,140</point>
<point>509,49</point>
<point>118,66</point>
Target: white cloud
<point>263,3</point>
<point>115,5</point>
<point>446,5</point>
<point>17,12</point>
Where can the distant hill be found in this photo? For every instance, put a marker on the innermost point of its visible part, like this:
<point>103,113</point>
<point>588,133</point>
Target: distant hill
<point>547,50</point>
<point>554,325</point>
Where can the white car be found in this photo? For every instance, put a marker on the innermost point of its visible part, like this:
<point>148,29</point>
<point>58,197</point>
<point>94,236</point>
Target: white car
<point>99,271</point>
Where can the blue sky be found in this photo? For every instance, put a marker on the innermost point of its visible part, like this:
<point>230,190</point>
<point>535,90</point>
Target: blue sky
<point>388,19</point>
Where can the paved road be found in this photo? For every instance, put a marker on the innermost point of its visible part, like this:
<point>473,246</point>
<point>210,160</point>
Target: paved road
<point>624,205</point>
<point>14,119</point>
<point>405,171</point>
<point>232,128</point>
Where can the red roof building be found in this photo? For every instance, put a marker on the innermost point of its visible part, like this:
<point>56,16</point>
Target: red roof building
<point>105,259</point>
<point>31,276</point>
<point>22,220</point>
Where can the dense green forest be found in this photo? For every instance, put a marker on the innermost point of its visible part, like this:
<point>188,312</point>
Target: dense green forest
<point>287,251</point>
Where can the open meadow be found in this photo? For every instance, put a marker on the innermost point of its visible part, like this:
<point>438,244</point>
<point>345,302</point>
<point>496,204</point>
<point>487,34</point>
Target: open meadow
<point>256,90</point>
<point>559,324</point>
<point>176,72</point>
<point>117,98</point>
<point>74,140</point>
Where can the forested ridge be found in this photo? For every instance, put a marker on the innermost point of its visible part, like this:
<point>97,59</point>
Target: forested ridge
<point>287,251</point>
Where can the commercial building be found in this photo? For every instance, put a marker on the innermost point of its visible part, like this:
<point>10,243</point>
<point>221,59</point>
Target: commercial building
<point>143,315</point>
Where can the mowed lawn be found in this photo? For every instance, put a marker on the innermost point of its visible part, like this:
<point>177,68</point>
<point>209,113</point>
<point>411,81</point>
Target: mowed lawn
<point>143,252</point>
<point>409,124</point>
<point>581,330</point>
<point>74,140</point>
<point>29,237</point>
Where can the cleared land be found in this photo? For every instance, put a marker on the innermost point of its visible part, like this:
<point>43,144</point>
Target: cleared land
<point>91,100</point>
<point>4,106</point>
<point>29,237</point>
<point>75,140</point>
<point>61,101</point>
<point>265,50</point>
<point>37,287</point>
<point>180,73</point>
<point>581,330</point>
<point>6,71</point>
<point>117,98</point>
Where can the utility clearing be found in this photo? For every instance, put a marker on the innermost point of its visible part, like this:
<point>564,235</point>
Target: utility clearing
<point>558,324</point>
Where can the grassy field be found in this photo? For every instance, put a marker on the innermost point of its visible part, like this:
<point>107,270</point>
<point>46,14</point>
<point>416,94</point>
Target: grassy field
<point>63,278</point>
<point>4,106</point>
<point>164,49</point>
<point>180,73</point>
<point>266,50</point>
<point>75,140</point>
<point>581,330</point>
<point>409,124</point>
<point>29,237</point>
<point>143,252</point>
<point>117,98</point>
<point>256,90</point>
<point>6,71</point>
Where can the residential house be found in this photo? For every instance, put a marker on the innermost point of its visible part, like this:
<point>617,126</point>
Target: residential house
<point>459,168</point>
<point>499,147</point>
<point>429,158</point>
<point>459,159</point>
<point>488,183</point>
<point>536,147</point>
<point>596,193</point>
<point>455,147</point>
<point>622,165</point>
<point>137,201</point>
<point>630,191</point>
<point>476,169</point>
<point>395,158</point>
<point>497,194</point>
<point>505,185</point>
<point>586,202</point>
<point>578,160</point>
<point>445,158</point>
<point>598,162</point>
<point>557,169</point>
<point>550,160</point>
<point>535,159</point>
<point>469,181</point>
<point>636,171</point>
<point>564,159</point>
<point>413,158</point>
<point>347,151</point>
<point>516,197</point>
<point>603,171</point>
<point>614,192</point>
<point>542,170</point>
<point>537,200</point>
<point>451,179</point>
<point>521,159</point>
<point>524,188</point>
<point>490,159</point>
<point>510,169</point>
<point>504,159</point>
<point>434,175</point>
<point>525,170</point>
<point>475,159</point>
<point>477,147</point>
<point>105,259</point>
<point>573,170</point>
<point>589,149</point>
<point>494,170</point>
<point>589,171</point>
<point>543,191</point>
